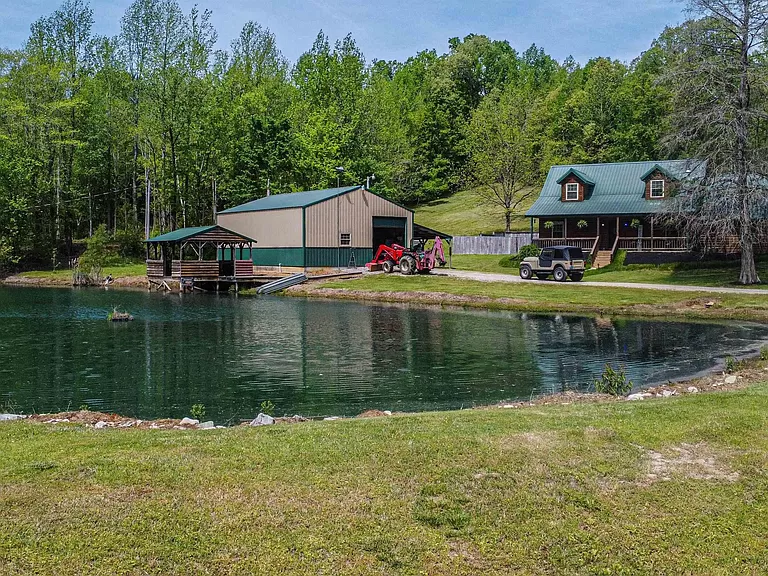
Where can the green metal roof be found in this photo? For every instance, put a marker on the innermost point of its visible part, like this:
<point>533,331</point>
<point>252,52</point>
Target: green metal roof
<point>190,232</point>
<point>181,234</point>
<point>657,168</point>
<point>289,200</point>
<point>580,175</point>
<point>618,188</point>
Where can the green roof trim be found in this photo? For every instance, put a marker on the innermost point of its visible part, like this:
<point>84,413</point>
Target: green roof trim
<point>181,234</point>
<point>618,189</point>
<point>299,200</point>
<point>580,175</point>
<point>656,168</point>
<point>289,200</point>
<point>190,232</point>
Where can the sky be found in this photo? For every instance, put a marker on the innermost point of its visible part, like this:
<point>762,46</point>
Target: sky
<point>392,30</point>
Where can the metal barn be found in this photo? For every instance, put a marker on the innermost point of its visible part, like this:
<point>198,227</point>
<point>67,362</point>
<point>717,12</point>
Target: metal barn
<point>333,228</point>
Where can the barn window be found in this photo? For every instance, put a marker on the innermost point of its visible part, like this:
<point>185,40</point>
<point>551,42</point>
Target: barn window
<point>345,239</point>
<point>572,191</point>
<point>657,188</point>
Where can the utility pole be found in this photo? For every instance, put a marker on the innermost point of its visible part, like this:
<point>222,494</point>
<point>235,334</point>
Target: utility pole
<point>213,188</point>
<point>147,204</point>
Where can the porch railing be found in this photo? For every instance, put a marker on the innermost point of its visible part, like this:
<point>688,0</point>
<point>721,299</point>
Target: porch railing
<point>583,243</point>
<point>661,244</point>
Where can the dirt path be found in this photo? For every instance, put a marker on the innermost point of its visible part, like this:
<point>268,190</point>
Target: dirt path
<point>491,277</point>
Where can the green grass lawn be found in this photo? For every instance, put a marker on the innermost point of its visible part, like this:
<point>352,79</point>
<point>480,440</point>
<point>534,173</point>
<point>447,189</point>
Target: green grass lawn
<point>484,263</point>
<point>466,214</point>
<point>117,271</point>
<point>566,297</point>
<point>706,273</point>
<point>674,486</point>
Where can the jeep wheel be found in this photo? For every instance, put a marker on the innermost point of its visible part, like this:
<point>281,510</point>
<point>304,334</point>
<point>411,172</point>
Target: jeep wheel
<point>526,272</point>
<point>559,274</point>
<point>577,276</point>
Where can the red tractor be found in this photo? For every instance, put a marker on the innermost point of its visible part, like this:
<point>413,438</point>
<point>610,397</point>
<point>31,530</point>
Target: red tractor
<point>408,261</point>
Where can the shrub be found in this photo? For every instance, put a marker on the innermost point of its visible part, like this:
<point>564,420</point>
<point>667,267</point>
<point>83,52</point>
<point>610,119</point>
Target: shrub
<point>731,364</point>
<point>267,408</point>
<point>613,382</point>
<point>525,252</point>
<point>197,411</point>
<point>96,256</point>
<point>129,242</point>
<point>764,353</point>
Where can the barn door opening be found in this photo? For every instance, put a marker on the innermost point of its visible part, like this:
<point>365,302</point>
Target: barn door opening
<point>388,230</point>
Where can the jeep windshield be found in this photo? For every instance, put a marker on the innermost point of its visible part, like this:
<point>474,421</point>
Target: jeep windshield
<point>575,254</point>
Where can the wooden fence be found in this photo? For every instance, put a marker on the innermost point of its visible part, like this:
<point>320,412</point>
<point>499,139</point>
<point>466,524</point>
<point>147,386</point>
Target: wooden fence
<point>508,244</point>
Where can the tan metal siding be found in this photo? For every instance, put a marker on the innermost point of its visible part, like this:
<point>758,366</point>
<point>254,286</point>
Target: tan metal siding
<point>355,212</point>
<point>270,228</point>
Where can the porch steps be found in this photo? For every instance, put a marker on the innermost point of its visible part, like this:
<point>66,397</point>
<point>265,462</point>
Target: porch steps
<point>602,259</point>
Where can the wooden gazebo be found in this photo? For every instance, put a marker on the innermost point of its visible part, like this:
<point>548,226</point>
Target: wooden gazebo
<point>202,253</point>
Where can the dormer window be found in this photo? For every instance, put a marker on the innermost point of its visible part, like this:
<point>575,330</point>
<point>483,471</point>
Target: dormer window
<point>572,191</point>
<point>657,188</point>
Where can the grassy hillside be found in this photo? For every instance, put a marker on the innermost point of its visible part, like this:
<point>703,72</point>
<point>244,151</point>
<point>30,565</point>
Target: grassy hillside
<point>466,214</point>
<point>667,486</point>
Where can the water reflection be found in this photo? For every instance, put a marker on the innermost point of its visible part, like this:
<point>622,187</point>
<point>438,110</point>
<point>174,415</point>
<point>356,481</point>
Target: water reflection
<point>320,357</point>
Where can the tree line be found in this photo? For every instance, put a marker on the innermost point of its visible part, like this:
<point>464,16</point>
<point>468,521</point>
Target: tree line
<point>155,121</point>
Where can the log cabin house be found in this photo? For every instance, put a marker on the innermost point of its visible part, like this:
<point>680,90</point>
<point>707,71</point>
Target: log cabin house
<point>603,208</point>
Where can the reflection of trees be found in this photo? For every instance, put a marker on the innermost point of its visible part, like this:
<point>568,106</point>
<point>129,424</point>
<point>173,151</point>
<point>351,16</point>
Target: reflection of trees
<point>572,351</point>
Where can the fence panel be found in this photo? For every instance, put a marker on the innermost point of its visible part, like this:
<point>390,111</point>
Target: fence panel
<point>508,244</point>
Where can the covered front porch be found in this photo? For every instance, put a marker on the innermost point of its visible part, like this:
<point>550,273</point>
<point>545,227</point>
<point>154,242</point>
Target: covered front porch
<point>594,234</point>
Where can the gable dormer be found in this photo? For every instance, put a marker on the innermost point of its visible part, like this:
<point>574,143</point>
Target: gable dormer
<point>658,183</point>
<point>574,186</point>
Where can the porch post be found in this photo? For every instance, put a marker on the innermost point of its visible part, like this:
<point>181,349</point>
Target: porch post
<point>652,242</point>
<point>565,227</point>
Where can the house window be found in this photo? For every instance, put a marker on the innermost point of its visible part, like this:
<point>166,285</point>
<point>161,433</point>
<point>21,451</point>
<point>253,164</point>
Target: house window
<point>657,188</point>
<point>557,229</point>
<point>345,239</point>
<point>572,191</point>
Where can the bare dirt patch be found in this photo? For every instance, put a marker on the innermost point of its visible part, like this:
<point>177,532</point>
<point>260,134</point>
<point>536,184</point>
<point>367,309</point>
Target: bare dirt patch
<point>547,440</point>
<point>694,461</point>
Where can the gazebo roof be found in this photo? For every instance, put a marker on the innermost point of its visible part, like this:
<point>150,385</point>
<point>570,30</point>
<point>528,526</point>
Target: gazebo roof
<point>214,233</point>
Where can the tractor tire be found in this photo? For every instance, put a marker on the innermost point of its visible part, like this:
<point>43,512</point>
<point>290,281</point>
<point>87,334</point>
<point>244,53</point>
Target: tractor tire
<point>560,274</point>
<point>525,272</point>
<point>407,265</point>
<point>387,266</point>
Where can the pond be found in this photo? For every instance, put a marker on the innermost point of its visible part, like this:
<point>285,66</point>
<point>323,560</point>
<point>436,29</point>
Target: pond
<point>318,357</point>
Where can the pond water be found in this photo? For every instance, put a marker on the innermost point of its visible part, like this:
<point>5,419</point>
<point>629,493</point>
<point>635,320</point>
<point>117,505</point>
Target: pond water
<point>316,358</point>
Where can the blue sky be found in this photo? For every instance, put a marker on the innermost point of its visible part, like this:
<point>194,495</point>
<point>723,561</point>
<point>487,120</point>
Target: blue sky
<point>386,29</point>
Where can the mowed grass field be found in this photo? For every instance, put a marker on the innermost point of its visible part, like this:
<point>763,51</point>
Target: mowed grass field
<point>467,214</point>
<point>65,275</point>
<point>547,296</point>
<point>667,486</point>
